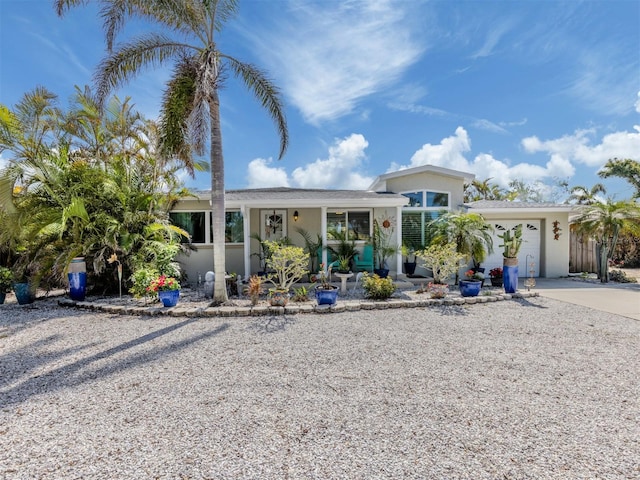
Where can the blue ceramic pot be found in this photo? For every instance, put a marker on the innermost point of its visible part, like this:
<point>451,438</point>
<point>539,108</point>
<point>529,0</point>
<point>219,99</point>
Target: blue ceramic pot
<point>326,297</point>
<point>23,292</point>
<point>470,288</point>
<point>510,278</point>
<point>381,272</point>
<point>2,297</point>
<point>169,298</point>
<point>77,285</point>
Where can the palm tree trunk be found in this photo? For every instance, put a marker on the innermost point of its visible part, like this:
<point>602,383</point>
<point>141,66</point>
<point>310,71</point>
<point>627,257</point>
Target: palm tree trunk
<point>217,201</point>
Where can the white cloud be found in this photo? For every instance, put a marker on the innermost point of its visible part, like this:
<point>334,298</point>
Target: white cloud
<point>493,38</point>
<point>450,153</point>
<point>339,170</point>
<point>345,52</point>
<point>578,148</point>
<point>261,175</point>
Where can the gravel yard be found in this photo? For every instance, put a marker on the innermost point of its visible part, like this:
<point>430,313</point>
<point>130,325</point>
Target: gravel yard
<point>531,388</point>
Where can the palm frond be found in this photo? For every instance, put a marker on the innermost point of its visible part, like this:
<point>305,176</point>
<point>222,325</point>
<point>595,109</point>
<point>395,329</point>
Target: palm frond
<point>131,58</point>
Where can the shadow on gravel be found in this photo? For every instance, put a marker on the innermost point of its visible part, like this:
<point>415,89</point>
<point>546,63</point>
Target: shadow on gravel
<point>453,310</point>
<point>271,324</point>
<point>525,302</point>
<point>84,370</point>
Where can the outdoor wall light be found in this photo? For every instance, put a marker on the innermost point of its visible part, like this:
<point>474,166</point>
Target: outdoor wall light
<point>295,216</point>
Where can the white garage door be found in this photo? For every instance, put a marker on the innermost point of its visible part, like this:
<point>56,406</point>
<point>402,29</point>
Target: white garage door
<point>530,246</point>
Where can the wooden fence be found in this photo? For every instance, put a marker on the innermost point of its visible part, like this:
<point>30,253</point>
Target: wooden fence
<point>582,254</point>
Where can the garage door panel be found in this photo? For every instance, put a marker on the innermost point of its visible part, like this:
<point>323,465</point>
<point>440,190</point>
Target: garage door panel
<point>530,246</point>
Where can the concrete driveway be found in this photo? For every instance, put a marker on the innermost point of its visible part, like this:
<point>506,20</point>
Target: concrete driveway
<point>619,298</point>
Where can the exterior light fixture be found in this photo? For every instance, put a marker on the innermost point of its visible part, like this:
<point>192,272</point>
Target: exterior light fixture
<point>295,216</point>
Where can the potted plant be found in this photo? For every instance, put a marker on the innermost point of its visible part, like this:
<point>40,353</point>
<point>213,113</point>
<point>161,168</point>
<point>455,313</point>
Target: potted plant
<point>22,286</point>
<point>511,243</point>
<point>383,248</point>
<point>471,284</point>
<point>443,261</point>
<point>167,288</point>
<point>344,265</point>
<point>326,294</point>
<point>312,246</point>
<point>344,251</point>
<point>410,263</point>
<point>496,276</point>
<point>288,264</point>
<point>6,280</point>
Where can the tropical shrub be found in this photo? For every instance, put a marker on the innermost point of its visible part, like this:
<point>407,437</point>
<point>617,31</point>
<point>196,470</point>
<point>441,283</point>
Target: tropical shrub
<point>442,260</point>
<point>288,263</point>
<point>141,281</point>
<point>377,288</point>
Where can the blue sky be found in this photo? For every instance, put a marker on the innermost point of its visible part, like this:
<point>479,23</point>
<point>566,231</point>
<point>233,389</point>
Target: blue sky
<point>530,90</point>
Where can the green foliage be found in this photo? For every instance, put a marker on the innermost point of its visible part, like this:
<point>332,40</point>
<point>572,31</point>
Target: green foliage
<point>621,277</point>
<point>468,231</point>
<point>300,294</point>
<point>383,247</point>
<point>312,245</point>
<point>288,263</point>
<point>442,260</point>
<point>512,243</point>
<point>377,288</point>
<point>627,169</point>
<point>94,187</point>
<point>6,279</point>
<point>141,281</point>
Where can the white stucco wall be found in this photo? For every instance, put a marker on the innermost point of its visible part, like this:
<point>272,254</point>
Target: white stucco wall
<point>554,254</point>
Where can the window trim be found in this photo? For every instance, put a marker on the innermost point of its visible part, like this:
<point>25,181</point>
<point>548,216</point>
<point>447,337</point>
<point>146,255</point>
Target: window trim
<point>332,241</point>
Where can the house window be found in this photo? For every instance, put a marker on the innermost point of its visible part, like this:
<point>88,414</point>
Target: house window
<point>356,224</point>
<point>192,222</point>
<point>424,206</point>
<point>415,228</point>
<point>233,228</point>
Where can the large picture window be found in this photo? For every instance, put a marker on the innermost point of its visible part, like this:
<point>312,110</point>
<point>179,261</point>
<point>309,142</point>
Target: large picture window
<point>355,223</point>
<point>233,228</point>
<point>195,223</point>
<point>192,222</point>
<point>424,206</point>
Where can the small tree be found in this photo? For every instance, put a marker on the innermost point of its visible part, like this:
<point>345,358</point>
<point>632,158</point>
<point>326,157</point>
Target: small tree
<point>604,222</point>
<point>442,260</point>
<point>289,264</point>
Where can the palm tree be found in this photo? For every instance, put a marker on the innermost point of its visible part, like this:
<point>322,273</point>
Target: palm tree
<point>468,231</point>
<point>190,104</point>
<point>604,222</point>
<point>624,168</point>
<point>586,196</point>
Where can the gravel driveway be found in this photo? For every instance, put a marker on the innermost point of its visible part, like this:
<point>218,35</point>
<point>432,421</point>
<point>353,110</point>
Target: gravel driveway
<point>519,389</point>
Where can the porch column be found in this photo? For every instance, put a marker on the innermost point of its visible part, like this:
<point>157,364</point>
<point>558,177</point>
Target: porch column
<point>246,230</point>
<point>323,231</point>
<point>399,242</point>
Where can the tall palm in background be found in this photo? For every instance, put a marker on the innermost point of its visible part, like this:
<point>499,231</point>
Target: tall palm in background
<point>626,168</point>
<point>190,109</point>
<point>586,196</point>
<point>604,222</point>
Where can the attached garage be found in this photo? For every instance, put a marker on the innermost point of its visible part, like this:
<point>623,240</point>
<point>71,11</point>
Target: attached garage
<point>545,231</point>
<point>530,246</point>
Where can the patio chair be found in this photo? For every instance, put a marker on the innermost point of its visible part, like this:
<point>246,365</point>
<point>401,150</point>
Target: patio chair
<point>364,260</point>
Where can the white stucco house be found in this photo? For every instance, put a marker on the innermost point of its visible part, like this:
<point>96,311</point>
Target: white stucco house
<point>409,199</point>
